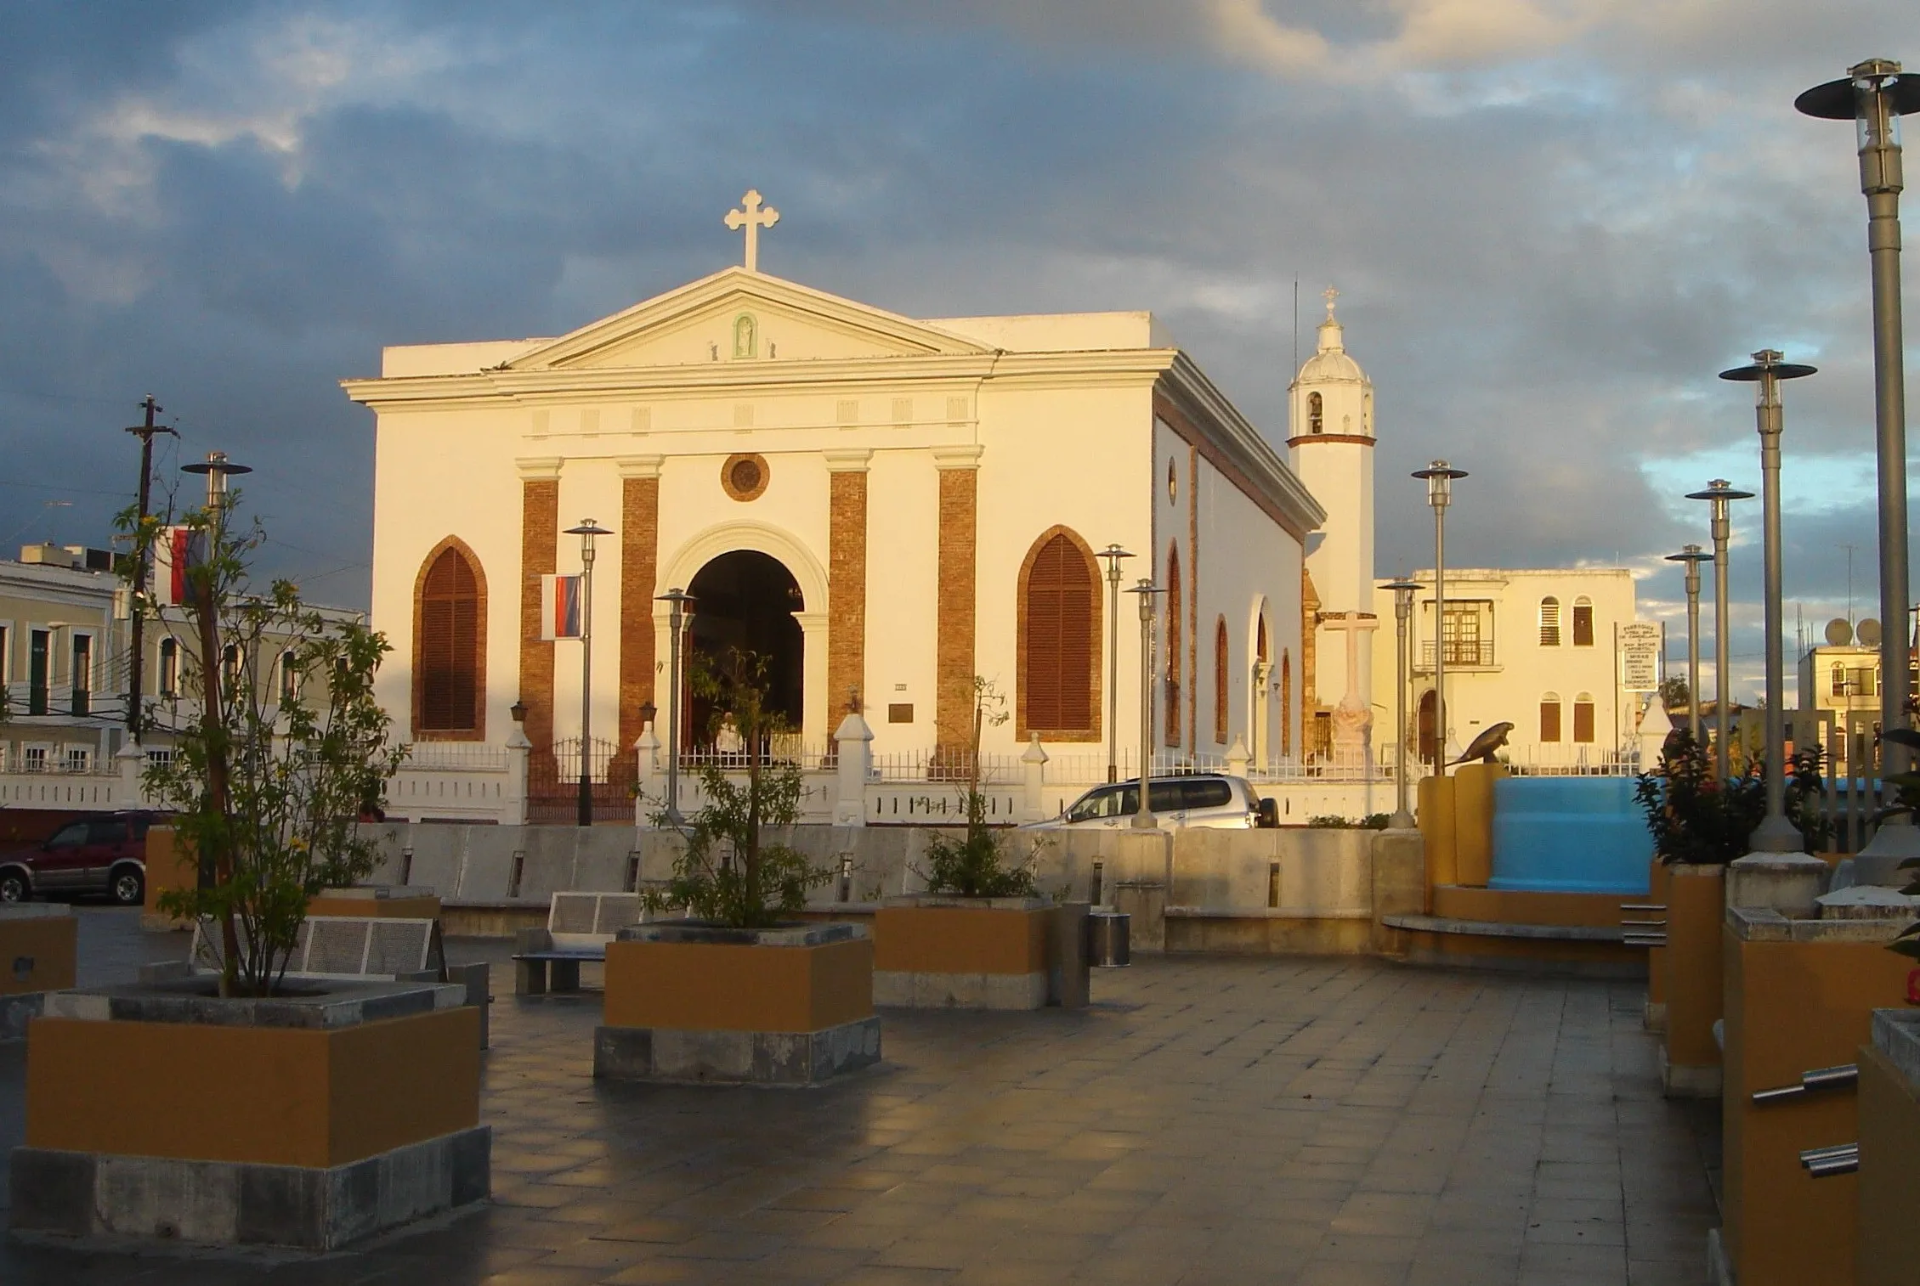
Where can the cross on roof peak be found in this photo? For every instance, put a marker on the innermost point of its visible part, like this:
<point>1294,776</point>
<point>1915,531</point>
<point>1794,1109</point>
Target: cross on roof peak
<point>1330,294</point>
<point>752,217</point>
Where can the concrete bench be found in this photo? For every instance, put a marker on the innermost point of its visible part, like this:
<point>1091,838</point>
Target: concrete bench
<point>362,948</point>
<point>579,927</point>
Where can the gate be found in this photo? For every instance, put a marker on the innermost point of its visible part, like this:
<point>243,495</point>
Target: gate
<point>553,782</point>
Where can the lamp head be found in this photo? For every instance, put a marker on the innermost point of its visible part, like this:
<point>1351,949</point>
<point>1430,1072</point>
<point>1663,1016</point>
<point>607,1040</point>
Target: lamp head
<point>1113,554</point>
<point>1439,478</point>
<point>1768,368</point>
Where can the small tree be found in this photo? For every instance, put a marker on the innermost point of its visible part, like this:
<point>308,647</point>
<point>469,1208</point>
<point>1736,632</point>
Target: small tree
<point>269,783</point>
<point>727,874</point>
<point>1697,818</point>
<point>972,865</point>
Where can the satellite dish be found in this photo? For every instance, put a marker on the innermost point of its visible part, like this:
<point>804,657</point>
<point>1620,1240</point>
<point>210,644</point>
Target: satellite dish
<point>1839,633</point>
<point>1869,633</point>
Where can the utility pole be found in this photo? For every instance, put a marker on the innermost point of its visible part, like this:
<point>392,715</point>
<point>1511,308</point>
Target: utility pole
<point>137,660</point>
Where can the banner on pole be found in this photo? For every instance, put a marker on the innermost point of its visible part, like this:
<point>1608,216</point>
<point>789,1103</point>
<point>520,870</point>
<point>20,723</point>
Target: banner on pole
<point>178,551</point>
<point>1640,656</point>
<point>560,601</point>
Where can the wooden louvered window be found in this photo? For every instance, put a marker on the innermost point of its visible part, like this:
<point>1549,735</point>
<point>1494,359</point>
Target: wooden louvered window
<point>449,661</point>
<point>1220,680</point>
<point>1583,622</point>
<point>1175,613</point>
<point>1550,717</point>
<point>1583,717</point>
<point>1060,624</point>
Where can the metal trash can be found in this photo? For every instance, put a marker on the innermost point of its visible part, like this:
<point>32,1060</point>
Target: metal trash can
<point>1108,933</point>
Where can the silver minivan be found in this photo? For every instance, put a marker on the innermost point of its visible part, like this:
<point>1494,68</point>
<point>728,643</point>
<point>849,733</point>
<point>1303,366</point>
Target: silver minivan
<point>1201,799</point>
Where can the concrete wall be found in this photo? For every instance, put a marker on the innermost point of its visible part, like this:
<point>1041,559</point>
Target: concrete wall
<point>1333,884</point>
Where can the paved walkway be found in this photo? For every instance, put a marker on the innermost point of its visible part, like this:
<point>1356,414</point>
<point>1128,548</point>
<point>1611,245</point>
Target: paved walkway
<point>1208,1120</point>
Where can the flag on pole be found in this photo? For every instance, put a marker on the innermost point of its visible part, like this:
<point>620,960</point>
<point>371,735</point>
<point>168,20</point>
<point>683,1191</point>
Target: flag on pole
<point>560,601</point>
<point>175,553</point>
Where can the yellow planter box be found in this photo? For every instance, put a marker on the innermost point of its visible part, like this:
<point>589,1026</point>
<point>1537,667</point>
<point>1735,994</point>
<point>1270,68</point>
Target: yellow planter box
<point>36,948</point>
<point>1696,906</point>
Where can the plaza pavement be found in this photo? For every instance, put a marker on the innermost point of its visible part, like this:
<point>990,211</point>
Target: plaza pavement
<point>1208,1120</point>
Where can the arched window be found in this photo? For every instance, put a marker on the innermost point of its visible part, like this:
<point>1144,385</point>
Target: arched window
<point>1583,621</point>
<point>1550,717</point>
<point>1583,717</point>
<point>1549,621</point>
<point>1174,615</point>
<point>1316,418</point>
<point>1839,679</point>
<point>289,678</point>
<point>1286,702</point>
<point>1220,673</point>
<point>1059,640</point>
<point>170,668</point>
<point>449,645</point>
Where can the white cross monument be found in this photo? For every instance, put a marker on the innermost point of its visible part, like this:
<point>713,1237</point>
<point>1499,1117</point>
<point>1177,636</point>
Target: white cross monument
<point>1353,717</point>
<point>753,218</point>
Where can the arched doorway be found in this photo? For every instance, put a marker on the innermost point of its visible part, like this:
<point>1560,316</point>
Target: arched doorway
<point>745,601</point>
<point>1427,702</point>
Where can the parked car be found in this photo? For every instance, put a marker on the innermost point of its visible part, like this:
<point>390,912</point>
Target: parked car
<point>1200,799</point>
<point>105,854</point>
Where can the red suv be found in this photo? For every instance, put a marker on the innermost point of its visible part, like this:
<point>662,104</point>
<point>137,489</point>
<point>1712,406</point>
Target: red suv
<point>106,854</point>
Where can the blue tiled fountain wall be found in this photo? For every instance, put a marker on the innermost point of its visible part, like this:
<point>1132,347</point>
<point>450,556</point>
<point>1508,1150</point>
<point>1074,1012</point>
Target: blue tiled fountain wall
<point>1569,835</point>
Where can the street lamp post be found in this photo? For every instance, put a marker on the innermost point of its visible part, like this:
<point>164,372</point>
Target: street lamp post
<point>1112,555</point>
<point>1146,589</point>
<point>1693,556</point>
<point>1875,96</point>
<point>679,601</point>
<point>1720,494</point>
<point>1439,478</point>
<point>587,530</point>
<point>1403,592</point>
<point>1775,834</point>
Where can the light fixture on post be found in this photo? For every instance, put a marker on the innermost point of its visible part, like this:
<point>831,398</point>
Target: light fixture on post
<point>1112,555</point>
<point>1693,556</point>
<point>679,601</point>
<point>587,530</point>
<point>1875,96</point>
<point>1439,478</point>
<point>1403,592</point>
<point>217,469</point>
<point>1720,495</point>
<point>1775,834</point>
<point>1146,589</point>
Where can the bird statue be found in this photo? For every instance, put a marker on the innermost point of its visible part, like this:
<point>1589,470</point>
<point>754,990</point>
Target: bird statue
<point>1486,744</point>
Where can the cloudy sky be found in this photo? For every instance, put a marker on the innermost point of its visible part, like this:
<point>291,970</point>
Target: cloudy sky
<point>1551,223</point>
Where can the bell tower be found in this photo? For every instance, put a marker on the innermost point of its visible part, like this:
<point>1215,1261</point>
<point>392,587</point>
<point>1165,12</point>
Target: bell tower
<point>1330,414</point>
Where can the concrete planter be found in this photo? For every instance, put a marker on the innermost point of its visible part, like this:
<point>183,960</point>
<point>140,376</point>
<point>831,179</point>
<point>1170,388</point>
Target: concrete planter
<point>1889,1175</point>
<point>310,1121</point>
<point>37,952</point>
<point>1696,906</point>
<point>933,951</point>
<point>1800,995</point>
<point>692,1002</point>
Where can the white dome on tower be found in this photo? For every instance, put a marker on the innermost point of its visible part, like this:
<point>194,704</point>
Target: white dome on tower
<point>1331,363</point>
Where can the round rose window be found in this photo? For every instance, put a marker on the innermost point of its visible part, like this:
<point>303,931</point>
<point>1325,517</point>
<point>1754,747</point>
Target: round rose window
<point>744,477</point>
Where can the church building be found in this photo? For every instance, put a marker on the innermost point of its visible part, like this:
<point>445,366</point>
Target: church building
<point>881,507</point>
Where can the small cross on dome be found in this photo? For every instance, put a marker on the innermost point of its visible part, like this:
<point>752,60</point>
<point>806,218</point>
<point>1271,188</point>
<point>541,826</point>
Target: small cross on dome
<point>753,218</point>
<point>1330,294</point>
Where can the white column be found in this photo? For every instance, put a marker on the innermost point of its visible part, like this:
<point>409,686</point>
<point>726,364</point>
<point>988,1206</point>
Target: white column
<point>816,703</point>
<point>519,750</point>
<point>1033,804</point>
<point>132,763</point>
<point>646,750</point>
<point>855,766</point>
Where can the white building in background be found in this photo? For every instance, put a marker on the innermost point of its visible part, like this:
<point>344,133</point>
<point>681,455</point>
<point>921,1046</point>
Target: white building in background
<point>881,507</point>
<point>1842,683</point>
<point>1537,648</point>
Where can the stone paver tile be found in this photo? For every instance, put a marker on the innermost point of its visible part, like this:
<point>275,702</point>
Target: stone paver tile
<point>1329,1272</point>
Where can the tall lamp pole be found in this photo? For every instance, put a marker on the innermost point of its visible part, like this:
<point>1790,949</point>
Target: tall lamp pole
<point>1439,478</point>
<point>1112,555</point>
<point>1775,834</point>
<point>679,601</point>
<point>1719,496</point>
<point>1403,592</point>
<point>1693,556</point>
<point>137,643</point>
<point>217,865</point>
<point>1146,589</point>
<point>1875,96</point>
<point>587,530</point>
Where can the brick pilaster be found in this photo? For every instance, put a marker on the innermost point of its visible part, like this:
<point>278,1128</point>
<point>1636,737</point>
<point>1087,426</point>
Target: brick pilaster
<point>539,555</point>
<point>639,569</point>
<point>1193,597</point>
<point>954,614</point>
<point>846,579</point>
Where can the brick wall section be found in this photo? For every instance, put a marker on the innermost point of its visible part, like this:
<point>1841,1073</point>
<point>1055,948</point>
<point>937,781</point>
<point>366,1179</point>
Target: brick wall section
<point>847,581</point>
<point>954,615</point>
<point>639,567</point>
<point>539,554</point>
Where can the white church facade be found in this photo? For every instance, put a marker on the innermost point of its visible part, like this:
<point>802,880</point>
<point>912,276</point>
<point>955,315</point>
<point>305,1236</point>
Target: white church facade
<point>882,507</point>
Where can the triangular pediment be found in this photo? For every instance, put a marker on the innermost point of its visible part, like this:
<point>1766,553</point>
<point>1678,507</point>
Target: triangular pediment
<point>738,315</point>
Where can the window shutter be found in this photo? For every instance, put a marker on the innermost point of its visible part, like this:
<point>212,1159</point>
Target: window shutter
<point>1549,622</point>
<point>1060,625</point>
<point>449,645</point>
<point>1550,720</point>
<point>1220,681</point>
<point>1582,623</point>
<point>1583,720</point>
